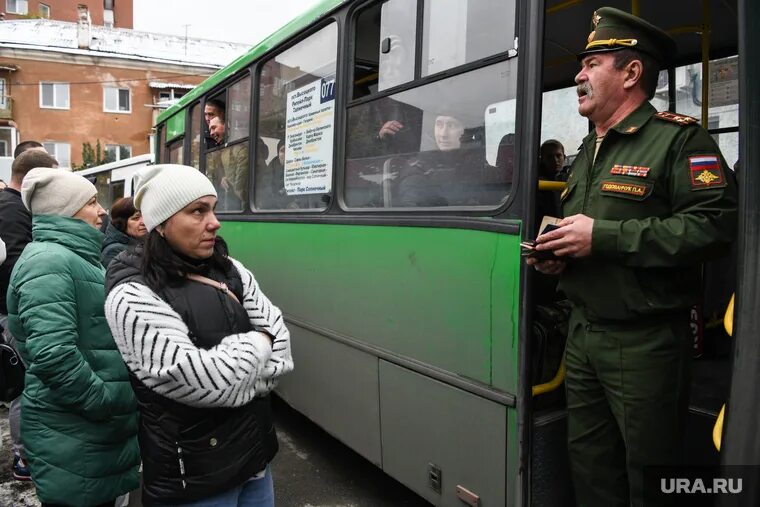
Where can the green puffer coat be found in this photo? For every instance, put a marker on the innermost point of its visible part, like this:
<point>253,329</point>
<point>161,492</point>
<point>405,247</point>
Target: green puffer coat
<point>79,414</point>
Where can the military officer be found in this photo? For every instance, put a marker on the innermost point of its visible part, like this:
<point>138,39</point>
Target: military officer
<point>649,198</point>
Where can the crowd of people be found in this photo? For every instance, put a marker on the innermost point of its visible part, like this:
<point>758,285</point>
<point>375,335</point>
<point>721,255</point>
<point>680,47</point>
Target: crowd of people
<point>147,345</point>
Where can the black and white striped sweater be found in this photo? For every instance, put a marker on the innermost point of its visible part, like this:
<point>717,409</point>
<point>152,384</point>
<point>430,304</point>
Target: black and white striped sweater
<point>154,342</point>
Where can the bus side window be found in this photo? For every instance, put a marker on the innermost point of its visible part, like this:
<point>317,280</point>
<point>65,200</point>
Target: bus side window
<point>435,145</point>
<point>296,122</point>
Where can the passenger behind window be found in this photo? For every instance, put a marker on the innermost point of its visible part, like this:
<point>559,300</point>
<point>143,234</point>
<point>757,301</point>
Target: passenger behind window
<point>550,165</point>
<point>455,173</point>
<point>227,169</point>
<point>552,161</point>
<point>270,183</point>
<point>214,108</point>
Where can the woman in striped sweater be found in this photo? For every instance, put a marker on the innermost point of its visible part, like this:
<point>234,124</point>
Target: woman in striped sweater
<point>204,347</point>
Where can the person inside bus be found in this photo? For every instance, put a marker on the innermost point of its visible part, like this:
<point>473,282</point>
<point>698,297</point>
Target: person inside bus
<point>550,162</point>
<point>659,201</point>
<point>125,230</point>
<point>227,169</point>
<point>214,108</point>
<point>452,174</point>
<point>206,431</point>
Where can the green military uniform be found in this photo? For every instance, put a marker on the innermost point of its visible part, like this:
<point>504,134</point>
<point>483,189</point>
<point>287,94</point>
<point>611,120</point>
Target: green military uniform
<point>663,200</point>
<point>230,164</point>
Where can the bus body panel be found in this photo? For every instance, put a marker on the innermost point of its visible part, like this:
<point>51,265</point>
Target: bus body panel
<point>421,293</point>
<point>426,422</point>
<point>337,376</point>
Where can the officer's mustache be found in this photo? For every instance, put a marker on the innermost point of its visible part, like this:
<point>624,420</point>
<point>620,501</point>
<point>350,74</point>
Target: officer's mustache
<point>585,89</point>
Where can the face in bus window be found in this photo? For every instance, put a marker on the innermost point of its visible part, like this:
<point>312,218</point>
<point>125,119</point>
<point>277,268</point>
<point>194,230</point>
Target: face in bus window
<point>601,87</point>
<point>552,159</point>
<point>448,133</point>
<point>192,230</point>
<point>216,130</point>
<point>281,155</point>
<point>211,111</point>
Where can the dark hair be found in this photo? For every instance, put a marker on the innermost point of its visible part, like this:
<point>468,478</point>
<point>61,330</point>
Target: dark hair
<point>552,143</point>
<point>280,144</point>
<point>121,210</point>
<point>28,160</point>
<point>24,146</point>
<point>162,266</point>
<point>650,72</point>
<point>219,105</point>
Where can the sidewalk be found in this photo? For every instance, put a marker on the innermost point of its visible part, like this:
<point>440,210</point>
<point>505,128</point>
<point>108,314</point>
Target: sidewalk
<point>12,492</point>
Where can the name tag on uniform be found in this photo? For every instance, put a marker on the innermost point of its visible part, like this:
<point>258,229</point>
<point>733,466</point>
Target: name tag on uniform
<point>630,170</point>
<point>626,189</point>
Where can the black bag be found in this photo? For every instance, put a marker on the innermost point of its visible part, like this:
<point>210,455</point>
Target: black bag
<point>11,373</point>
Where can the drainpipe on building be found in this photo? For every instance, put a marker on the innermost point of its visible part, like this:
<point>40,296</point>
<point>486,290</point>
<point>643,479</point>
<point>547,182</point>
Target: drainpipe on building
<point>83,27</point>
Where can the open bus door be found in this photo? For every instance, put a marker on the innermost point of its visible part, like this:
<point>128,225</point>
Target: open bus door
<point>712,35</point>
<point>741,446</point>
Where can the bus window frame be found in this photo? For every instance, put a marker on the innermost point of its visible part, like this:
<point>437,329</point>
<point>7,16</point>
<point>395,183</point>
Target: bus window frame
<point>215,93</point>
<point>189,133</point>
<point>417,82</point>
<point>338,121</point>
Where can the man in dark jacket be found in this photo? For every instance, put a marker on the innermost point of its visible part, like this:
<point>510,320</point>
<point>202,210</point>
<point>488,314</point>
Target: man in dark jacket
<point>16,233</point>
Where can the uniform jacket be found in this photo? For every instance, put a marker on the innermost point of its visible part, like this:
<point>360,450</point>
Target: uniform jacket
<point>230,163</point>
<point>663,200</point>
<point>114,243</point>
<point>202,366</point>
<point>16,232</point>
<point>79,414</point>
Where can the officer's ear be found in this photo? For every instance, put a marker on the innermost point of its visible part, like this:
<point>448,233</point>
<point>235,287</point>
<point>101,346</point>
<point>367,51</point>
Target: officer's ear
<point>633,72</point>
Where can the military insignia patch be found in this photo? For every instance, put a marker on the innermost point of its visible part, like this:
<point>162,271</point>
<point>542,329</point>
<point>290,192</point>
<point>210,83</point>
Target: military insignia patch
<point>630,170</point>
<point>705,172</point>
<point>680,119</point>
<point>625,188</point>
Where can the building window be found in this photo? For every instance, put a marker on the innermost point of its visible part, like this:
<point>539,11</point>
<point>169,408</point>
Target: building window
<point>44,11</point>
<point>116,100</point>
<point>54,95</point>
<point>116,152</point>
<point>16,6</point>
<point>60,151</point>
<point>6,137</point>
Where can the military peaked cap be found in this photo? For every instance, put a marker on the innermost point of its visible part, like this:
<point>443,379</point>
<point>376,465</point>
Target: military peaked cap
<point>613,29</point>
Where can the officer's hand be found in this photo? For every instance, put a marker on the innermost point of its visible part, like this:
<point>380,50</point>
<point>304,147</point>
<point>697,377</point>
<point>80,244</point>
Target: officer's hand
<point>547,267</point>
<point>573,238</point>
<point>390,128</point>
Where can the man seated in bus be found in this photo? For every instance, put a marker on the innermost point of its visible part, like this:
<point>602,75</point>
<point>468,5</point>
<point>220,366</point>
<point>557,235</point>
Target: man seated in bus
<point>227,169</point>
<point>454,174</point>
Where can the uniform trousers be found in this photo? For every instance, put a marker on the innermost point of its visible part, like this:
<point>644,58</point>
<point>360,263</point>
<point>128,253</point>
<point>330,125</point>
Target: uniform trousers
<point>627,400</point>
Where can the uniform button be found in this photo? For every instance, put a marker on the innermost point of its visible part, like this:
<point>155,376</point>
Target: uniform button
<point>213,442</point>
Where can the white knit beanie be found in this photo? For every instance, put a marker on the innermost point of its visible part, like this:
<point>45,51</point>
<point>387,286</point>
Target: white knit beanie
<point>48,191</point>
<point>164,189</point>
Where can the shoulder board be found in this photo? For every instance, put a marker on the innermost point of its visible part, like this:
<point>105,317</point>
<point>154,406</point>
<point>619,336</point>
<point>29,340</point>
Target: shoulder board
<point>680,119</point>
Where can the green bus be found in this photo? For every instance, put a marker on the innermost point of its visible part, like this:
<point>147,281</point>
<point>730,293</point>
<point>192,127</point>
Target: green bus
<point>420,338</point>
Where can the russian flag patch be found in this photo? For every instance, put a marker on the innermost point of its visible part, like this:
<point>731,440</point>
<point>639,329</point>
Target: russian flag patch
<point>705,172</point>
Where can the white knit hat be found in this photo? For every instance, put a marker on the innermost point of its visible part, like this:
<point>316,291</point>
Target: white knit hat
<point>48,191</point>
<point>164,189</point>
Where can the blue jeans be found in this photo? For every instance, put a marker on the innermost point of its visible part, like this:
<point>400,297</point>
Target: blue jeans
<point>252,493</point>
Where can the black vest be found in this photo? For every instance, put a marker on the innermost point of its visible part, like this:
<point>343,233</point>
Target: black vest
<point>190,453</point>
